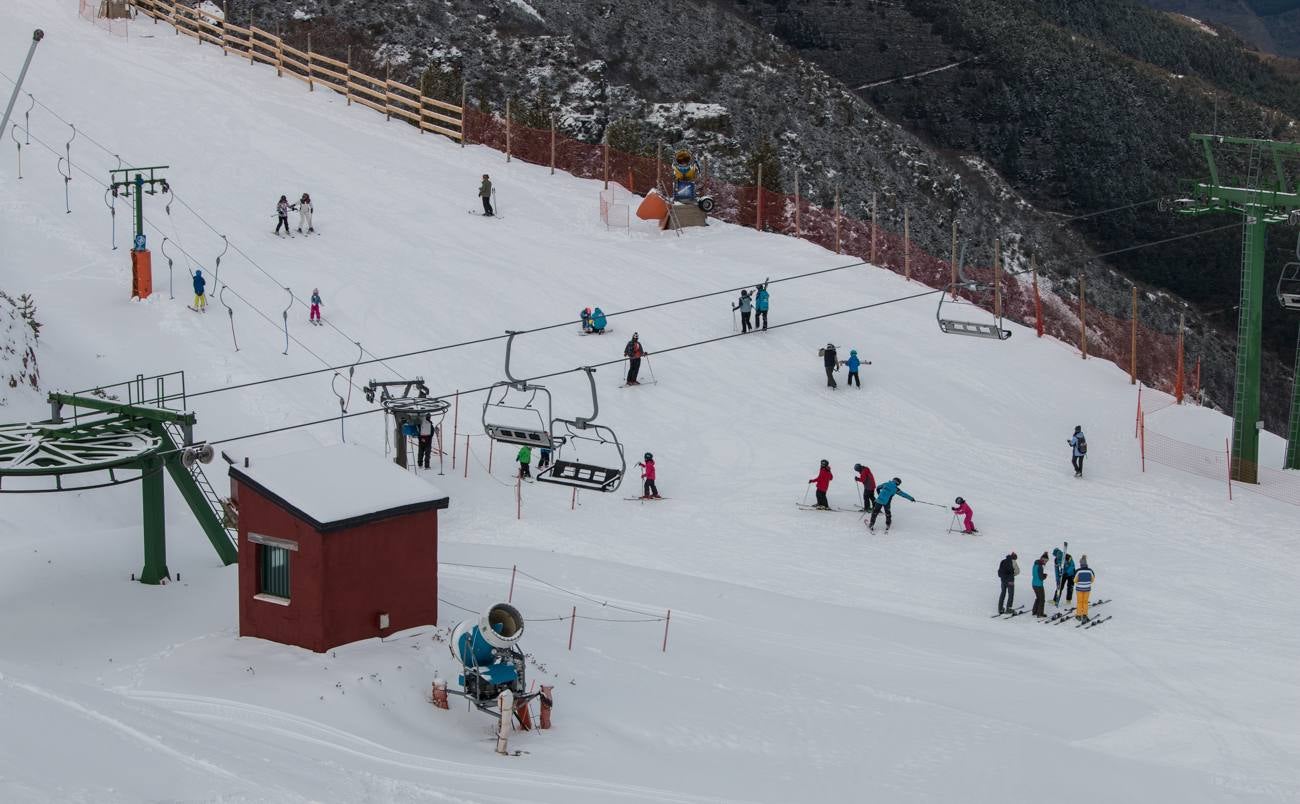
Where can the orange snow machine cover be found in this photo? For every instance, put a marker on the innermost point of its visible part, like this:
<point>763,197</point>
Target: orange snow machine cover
<point>653,208</point>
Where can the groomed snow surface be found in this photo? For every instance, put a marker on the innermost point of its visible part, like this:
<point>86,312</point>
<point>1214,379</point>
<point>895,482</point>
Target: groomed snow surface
<point>807,660</point>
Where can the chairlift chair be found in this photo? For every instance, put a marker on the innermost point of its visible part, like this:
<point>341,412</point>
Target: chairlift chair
<point>526,424</point>
<point>583,440</point>
<point>955,326</point>
<point>1288,285</point>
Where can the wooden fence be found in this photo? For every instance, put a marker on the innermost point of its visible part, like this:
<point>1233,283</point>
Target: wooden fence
<point>384,95</point>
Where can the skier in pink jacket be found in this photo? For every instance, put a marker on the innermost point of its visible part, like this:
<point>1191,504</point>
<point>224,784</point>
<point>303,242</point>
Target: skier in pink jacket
<point>648,475</point>
<point>963,508</point>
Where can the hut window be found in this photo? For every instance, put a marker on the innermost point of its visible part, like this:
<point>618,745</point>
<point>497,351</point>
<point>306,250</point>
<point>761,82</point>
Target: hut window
<point>273,570</point>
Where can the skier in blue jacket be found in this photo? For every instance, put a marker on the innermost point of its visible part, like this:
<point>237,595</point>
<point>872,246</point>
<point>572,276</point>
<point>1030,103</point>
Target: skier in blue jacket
<point>760,305</point>
<point>853,364</point>
<point>1078,448</point>
<point>598,321</point>
<point>1037,580</point>
<point>885,493</point>
<point>200,298</point>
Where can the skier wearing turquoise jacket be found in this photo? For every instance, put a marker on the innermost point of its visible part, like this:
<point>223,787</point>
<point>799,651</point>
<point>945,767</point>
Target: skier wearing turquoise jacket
<point>598,321</point>
<point>760,305</point>
<point>1037,580</point>
<point>853,364</point>
<point>885,493</point>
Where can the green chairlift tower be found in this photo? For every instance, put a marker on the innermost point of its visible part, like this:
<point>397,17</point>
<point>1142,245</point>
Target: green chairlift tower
<point>1258,180</point>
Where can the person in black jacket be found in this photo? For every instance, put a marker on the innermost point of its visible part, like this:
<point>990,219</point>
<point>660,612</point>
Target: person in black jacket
<point>831,361</point>
<point>1007,572</point>
<point>633,352</point>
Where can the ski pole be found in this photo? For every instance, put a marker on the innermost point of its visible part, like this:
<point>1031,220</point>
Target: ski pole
<point>733,316</point>
<point>953,524</point>
<point>806,489</point>
<point>650,369</point>
<point>923,502</point>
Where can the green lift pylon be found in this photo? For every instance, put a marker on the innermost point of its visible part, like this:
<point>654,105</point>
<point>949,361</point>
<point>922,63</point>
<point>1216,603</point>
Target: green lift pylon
<point>1264,193</point>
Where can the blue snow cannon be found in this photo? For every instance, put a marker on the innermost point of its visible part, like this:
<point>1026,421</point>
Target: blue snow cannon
<point>491,660</point>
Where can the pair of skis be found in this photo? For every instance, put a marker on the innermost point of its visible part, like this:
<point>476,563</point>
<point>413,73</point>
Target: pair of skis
<point>1009,614</point>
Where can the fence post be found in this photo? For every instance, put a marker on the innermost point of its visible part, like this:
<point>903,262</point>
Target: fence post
<point>514,569</point>
<point>552,145</point>
<point>1083,321</point>
<point>388,78</point>
<point>466,461</point>
<point>1142,428</point>
<point>224,12</point>
<point>1196,383</point>
<point>873,228</point>
<point>907,242</point>
<point>519,497</point>
<point>1178,383</point>
<point>464,135</point>
<point>667,620</point>
<point>491,449</point>
<point>606,168</point>
<point>837,220</point>
<point>953,262</point>
<point>1227,452</point>
<point>279,54</point>
<point>573,619</point>
<point>758,201</point>
<point>252,40</point>
<point>573,500</point>
<point>1038,301</point>
<point>1133,341</point>
<point>1137,417</point>
<point>455,429</point>
<point>507,129</point>
<point>798,229</point>
<point>311,86</point>
<point>997,278</point>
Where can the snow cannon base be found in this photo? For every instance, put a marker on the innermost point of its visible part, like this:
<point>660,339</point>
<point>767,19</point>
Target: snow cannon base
<point>683,215</point>
<point>654,207</point>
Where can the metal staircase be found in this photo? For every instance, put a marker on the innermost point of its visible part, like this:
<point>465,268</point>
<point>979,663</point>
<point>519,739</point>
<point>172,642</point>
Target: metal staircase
<point>202,498</point>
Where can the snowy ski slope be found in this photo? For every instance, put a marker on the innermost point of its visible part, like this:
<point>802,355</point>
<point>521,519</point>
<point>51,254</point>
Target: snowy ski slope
<point>807,659</point>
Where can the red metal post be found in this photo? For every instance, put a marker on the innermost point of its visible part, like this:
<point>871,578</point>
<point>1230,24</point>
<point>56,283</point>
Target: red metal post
<point>1227,451</point>
<point>667,620</point>
<point>491,448</point>
<point>573,502</point>
<point>573,619</point>
<point>519,498</point>
<point>1137,418</point>
<point>1143,429</point>
<point>455,430</point>
<point>466,455</point>
<point>513,570</point>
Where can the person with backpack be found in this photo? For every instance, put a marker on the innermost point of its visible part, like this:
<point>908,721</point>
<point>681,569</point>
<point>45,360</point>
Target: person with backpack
<point>525,457</point>
<point>304,213</point>
<point>598,322</point>
<point>830,360</point>
<point>1068,572</point>
<point>200,298</point>
<point>745,305</point>
<point>1008,569</point>
<point>485,195</point>
<point>760,305</point>
<point>1037,579</point>
<point>823,481</point>
<point>1079,448</point>
<point>633,352</point>
<point>585,315</point>
<point>1083,580</point>
<point>282,211</point>
<point>868,482</point>
<point>853,364</point>
<point>314,316</point>
<point>650,490</point>
<point>885,494</point>
<point>425,441</point>
<point>963,509</point>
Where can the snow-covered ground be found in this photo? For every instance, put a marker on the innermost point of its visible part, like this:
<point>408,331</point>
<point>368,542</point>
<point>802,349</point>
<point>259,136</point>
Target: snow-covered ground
<point>807,659</point>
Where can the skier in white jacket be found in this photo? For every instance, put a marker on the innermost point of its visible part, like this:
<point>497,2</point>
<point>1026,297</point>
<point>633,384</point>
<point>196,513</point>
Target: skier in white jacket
<point>304,214</point>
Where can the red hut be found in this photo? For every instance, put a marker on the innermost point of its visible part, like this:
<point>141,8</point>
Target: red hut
<point>336,544</point>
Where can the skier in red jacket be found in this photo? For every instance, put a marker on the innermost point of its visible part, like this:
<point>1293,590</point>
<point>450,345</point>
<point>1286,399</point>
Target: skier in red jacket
<point>823,481</point>
<point>868,482</point>
<point>963,508</point>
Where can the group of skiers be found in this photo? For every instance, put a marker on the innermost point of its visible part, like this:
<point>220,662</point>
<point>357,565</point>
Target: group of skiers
<point>755,305</point>
<point>593,321</point>
<point>832,363</point>
<point>525,459</point>
<point>304,209</point>
<point>877,498</point>
<point>1069,580</point>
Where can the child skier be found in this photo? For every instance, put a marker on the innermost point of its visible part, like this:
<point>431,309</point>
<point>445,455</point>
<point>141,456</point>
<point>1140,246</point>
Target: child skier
<point>314,317</point>
<point>1083,579</point>
<point>545,459</point>
<point>633,352</point>
<point>524,457</point>
<point>1079,448</point>
<point>853,364</point>
<point>586,319</point>
<point>1068,572</point>
<point>651,491</point>
<point>884,496</point>
<point>485,195</point>
<point>200,298</point>
<point>823,481</point>
<point>760,305</point>
<point>282,210</point>
<point>745,305</point>
<point>304,213</point>
<point>868,482</point>
<point>963,508</point>
<point>832,364</point>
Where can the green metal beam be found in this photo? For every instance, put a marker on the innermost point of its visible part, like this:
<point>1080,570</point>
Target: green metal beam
<point>1245,415</point>
<point>1276,146</point>
<point>1245,197</point>
<point>1293,437</point>
<point>196,500</point>
<point>152,414</point>
<point>155,525</point>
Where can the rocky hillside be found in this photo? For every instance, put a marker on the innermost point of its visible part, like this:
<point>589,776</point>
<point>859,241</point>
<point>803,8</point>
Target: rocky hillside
<point>1056,106</point>
<point>1269,25</point>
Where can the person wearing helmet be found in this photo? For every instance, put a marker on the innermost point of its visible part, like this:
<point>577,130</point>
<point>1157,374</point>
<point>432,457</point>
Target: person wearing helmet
<point>853,364</point>
<point>885,493</point>
<point>586,319</point>
<point>633,352</point>
<point>868,482</point>
<point>524,457</point>
<point>823,481</point>
<point>1007,572</point>
<point>963,509</point>
<point>598,321</point>
<point>745,305</point>
<point>314,315</point>
<point>832,363</point>
<point>760,305</point>
<point>200,297</point>
<point>1078,448</point>
<point>651,491</point>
